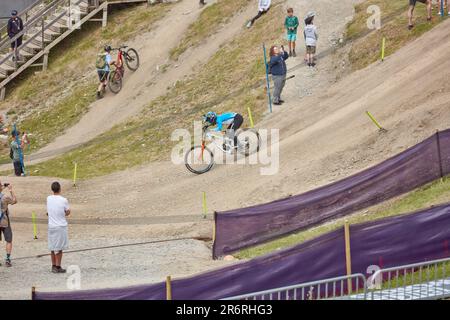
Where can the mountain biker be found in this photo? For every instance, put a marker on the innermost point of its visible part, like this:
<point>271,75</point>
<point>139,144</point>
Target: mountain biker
<point>102,64</point>
<point>232,119</point>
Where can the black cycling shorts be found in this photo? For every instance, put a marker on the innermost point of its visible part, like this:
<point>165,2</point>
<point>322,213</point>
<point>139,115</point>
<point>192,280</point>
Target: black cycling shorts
<point>102,75</point>
<point>413,2</point>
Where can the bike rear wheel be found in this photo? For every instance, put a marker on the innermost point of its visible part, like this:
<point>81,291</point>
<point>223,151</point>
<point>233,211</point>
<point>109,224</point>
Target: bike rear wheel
<point>248,141</point>
<point>132,59</point>
<point>199,159</point>
<point>115,81</point>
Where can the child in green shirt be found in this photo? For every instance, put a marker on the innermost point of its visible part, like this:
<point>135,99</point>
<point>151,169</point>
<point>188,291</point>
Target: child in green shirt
<point>291,25</point>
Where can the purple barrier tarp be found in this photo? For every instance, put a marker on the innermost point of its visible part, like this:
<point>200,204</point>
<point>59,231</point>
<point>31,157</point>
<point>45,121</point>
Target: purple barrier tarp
<point>393,241</point>
<point>418,165</point>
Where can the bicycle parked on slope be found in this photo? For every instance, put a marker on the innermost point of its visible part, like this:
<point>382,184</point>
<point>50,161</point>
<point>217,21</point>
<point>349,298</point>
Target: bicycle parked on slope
<point>200,159</point>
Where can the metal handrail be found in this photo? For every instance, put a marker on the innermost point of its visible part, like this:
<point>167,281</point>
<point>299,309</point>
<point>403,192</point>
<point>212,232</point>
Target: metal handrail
<point>41,33</point>
<point>31,23</point>
<point>270,292</point>
<point>27,22</point>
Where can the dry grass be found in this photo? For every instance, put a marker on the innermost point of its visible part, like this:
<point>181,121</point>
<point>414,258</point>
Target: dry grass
<point>209,22</point>
<point>45,103</point>
<point>366,47</point>
<point>220,85</point>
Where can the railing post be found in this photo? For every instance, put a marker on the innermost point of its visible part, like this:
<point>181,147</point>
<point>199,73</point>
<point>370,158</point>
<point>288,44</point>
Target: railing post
<point>105,16</point>
<point>438,141</point>
<point>45,62</point>
<point>2,93</point>
<point>168,288</point>
<point>348,258</point>
<point>42,35</point>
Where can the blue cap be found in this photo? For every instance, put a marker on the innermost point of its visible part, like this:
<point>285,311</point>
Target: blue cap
<point>14,13</point>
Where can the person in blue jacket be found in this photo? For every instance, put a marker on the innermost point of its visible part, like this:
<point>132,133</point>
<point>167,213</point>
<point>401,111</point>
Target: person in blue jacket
<point>278,69</point>
<point>232,120</point>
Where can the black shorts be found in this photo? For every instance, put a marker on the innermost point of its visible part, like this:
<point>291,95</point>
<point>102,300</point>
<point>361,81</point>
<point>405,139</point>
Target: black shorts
<point>102,75</point>
<point>7,233</point>
<point>413,2</point>
<point>237,122</point>
<point>16,43</point>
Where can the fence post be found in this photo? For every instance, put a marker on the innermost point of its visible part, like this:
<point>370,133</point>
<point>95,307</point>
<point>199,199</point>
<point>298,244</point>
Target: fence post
<point>267,78</point>
<point>75,174</point>
<point>250,117</point>
<point>438,141</point>
<point>348,258</point>
<point>33,218</point>
<point>214,236</point>
<point>33,293</point>
<point>204,205</point>
<point>168,288</point>
<point>105,17</point>
<point>383,45</point>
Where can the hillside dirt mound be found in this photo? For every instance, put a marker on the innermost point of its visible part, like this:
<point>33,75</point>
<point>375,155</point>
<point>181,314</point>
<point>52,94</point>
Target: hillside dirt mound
<point>325,135</point>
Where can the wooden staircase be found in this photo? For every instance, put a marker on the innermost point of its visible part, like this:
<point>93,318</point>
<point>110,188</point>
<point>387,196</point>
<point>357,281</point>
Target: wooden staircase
<point>46,25</point>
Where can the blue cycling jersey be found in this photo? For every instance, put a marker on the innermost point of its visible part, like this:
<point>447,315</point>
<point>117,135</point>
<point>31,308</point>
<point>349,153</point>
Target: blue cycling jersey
<point>224,119</point>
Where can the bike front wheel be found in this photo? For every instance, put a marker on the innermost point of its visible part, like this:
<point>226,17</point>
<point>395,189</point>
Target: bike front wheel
<point>115,81</point>
<point>199,159</point>
<point>132,59</point>
<point>248,141</point>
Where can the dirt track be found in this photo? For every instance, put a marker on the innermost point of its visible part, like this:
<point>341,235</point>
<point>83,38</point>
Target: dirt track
<point>325,136</point>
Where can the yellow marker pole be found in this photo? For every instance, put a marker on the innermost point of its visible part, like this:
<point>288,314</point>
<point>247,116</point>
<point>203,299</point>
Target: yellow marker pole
<point>75,174</point>
<point>348,257</point>
<point>205,210</point>
<point>33,218</point>
<point>250,116</point>
<point>375,121</point>
<point>383,45</point>
<point>168,288</point>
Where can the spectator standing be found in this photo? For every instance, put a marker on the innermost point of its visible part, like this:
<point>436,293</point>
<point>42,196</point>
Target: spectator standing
<point>202,3</point>
<point>439,3</point>
<point>15,26</point>
<point>277,67</point>
<point>5,224</point>
<point>16,152</point>
<point>58,238</point>
<point>263,7</point>
<point>311,38</point>
<point>412,5</point>
<point>291,25</point>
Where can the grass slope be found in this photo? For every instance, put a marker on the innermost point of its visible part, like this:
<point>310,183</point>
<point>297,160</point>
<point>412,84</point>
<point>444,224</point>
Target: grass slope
<point>366,47</point>
<point>45,103</point>
<point>431,194</point>
<point>220,85</point>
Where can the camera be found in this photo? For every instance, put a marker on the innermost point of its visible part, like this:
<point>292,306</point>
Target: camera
<point>6,185</point>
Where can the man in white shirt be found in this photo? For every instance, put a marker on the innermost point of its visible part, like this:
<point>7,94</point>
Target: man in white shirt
<point>58,239</point>
<point>263,7</point>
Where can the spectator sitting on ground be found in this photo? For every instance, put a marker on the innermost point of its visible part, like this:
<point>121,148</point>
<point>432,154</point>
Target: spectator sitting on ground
<point>412,5</point>
<point>58,238</point>
<point>15,26</point>
<point>5,224</point>
<point>263,7</point>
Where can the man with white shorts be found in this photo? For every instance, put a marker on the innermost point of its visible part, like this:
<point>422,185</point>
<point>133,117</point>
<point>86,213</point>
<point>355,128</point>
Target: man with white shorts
<point>58,239</point>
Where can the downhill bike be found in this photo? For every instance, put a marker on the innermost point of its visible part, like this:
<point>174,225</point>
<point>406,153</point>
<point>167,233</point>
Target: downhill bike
<point>200,159</point>
<point>131,59</point>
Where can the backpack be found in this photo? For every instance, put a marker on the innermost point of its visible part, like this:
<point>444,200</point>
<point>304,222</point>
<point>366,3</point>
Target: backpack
<point>3,218</point>
<point>11,153</point>
<point>269,69</point>
<point>100,63</point>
